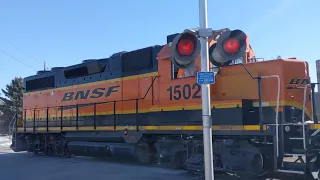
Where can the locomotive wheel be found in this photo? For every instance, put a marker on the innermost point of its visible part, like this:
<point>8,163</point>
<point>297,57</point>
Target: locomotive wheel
<point>66,152</point>
<point>49,150</point>
<point>179,160</point>
<point>257,163</point>
<point>143,154</point>
<point>35,151</point>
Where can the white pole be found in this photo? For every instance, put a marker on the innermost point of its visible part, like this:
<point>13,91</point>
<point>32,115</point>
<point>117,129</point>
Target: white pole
<point>206,109</point>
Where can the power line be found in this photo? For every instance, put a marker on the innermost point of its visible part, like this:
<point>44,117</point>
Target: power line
<point>16,59</point>
<point>2,37</point>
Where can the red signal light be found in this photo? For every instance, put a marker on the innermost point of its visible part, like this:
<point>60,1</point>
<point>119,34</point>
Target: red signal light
<point>185,47</point>
<point>231,45</point>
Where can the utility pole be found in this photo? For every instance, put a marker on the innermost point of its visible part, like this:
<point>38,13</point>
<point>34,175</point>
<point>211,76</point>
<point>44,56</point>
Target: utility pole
<point>206,108</point>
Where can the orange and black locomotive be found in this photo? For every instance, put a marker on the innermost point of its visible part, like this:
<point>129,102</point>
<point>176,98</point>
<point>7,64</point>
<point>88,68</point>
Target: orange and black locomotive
<point>146,104</point>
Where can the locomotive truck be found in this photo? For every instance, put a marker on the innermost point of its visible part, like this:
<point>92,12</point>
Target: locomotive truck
<point>134,105</point>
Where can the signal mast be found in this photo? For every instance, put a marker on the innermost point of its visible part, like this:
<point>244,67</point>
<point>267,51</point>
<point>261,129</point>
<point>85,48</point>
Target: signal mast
<point>185,48</point>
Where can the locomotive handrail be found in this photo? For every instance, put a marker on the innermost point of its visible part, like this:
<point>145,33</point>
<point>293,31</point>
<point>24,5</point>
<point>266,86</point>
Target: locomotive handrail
<point>277,110</point>
<point>88,104</point>
<point>259,95</point>
<point>260,103</point>
<point>104,102</point>
<point>12,124</point>
<point>304,103</point>
<point>304,108</point>
<point>313,114</point>
<point>303,111</point>
<point>248,71</point>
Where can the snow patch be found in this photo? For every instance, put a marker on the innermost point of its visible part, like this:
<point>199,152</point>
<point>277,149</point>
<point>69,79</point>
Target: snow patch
<point>5,141</point>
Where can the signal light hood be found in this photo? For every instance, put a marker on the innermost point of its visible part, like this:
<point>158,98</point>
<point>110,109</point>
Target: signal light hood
<point>184,49</point>
<point>230,46</point>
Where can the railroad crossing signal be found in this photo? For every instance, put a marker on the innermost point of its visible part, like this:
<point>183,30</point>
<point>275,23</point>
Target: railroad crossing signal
<point>185,48</point>
<point>230,46</point>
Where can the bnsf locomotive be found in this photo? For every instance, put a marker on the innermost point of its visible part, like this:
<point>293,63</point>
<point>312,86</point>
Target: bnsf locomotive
<point>146,104</point>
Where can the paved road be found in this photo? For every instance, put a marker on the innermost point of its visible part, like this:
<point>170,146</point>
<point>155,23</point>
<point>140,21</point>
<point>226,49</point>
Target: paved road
<point>16,166</point>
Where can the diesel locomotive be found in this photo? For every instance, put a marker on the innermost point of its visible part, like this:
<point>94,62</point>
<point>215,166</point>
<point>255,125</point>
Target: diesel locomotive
<point>143,105</point>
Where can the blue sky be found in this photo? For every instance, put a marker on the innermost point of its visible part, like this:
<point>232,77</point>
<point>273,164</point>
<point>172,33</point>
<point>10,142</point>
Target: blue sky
<point>66,32</point>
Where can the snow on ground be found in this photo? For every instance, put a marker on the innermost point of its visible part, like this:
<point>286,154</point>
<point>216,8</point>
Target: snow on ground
<point>5,142</point>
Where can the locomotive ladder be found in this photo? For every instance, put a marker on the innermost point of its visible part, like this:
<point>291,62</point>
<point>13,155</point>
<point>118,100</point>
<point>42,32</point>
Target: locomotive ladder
<point>295,137</point>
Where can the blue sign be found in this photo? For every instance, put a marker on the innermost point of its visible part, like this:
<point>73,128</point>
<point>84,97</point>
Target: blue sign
<point>205,77</point>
